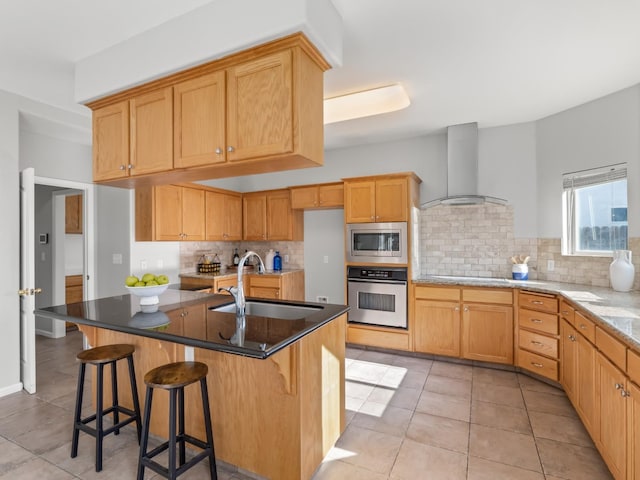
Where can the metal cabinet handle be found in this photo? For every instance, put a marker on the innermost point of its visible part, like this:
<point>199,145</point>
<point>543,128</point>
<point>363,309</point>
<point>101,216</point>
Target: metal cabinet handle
<point>572,338</point>
<point>537,365</point>
<point>536,320</point>
<point>218,151</point>
<point>537,302</point>
<point>130,167</point>
<point>625,393</point>
<point>456,309</point>
<point>618,386</point>
<point>583,326</point>
<point>466,309</point>
<point>539,344</point>
<point>230,149</point>
<point>122,167</point>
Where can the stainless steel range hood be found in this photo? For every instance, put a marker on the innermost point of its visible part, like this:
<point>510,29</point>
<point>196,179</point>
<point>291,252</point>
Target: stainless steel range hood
<point>462,169</point>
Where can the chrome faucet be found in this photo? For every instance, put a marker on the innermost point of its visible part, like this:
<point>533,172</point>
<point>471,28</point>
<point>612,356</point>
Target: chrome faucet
<point>238,291</point>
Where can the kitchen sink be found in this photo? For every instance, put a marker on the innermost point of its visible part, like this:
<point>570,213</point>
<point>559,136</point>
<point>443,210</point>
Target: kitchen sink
<point>271,310</point>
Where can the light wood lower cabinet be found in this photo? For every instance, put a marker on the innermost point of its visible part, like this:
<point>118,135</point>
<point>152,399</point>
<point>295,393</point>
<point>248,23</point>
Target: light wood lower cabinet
<point>633,432</point>
<point>455,322</point>
<point>611,410</point>
<point>487,333</point>
<point>73,214</point>
<point>568,365</point>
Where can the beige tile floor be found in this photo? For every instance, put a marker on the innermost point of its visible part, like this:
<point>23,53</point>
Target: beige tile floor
<point>407,418</point>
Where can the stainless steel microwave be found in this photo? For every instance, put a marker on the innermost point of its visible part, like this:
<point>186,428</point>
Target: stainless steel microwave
<point>377,242</point>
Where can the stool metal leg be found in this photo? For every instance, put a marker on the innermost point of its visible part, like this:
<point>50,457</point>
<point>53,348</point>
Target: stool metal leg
<point>78,410</point>
<point>99,409</point>
<point>207,425</point>
<point>145,431</point>
<point>134,395</point>
<point>181,425</point>
<point>172,433</point>
<point>114,396</point>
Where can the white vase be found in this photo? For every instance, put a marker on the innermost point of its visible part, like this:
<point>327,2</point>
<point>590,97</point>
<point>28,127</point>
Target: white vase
<point>622,271</point>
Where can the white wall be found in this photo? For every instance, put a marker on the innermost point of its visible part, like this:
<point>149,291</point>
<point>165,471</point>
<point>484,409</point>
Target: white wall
<point>603,132</point>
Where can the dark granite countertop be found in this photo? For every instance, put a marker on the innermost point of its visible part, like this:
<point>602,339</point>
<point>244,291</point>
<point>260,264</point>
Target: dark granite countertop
<point>235,273</point>
<point>204,328</point>
<point>616,312</point>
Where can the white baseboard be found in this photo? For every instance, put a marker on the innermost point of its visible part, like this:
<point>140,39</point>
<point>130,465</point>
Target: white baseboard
<point>45,333</point>
<point>10,389</point>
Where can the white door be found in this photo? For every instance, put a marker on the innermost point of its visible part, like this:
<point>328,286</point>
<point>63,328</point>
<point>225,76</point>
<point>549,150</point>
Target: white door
<point>27,279</point>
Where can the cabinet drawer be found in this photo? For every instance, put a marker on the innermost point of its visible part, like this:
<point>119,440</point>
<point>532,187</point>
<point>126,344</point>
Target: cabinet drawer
<point>73,280</point>
<point>504,297</point>
<point>538,301</point>
<point>538,343</point>
<point>585,326</point>
<point>633,366</point>
<point>540,321</point>
<point>437,293</point>
<point>538,364</point>
<point>378,338</point>
<point>613,349</point>
<point>567,312</point>
<point>265,292</point>
<point>264,281</point>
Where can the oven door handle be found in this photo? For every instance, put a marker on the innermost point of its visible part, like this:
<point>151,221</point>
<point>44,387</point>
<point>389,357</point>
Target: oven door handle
<point>373,280</point>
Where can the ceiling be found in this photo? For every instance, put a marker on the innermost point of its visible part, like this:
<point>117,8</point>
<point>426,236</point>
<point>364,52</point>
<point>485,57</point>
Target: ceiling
<point>495,62</point>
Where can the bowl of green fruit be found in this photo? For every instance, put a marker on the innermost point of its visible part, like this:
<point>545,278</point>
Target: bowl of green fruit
<point>148,287</point>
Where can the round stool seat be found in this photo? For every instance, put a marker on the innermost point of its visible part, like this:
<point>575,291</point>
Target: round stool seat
<point>175,375</point>
<point>105,354</point>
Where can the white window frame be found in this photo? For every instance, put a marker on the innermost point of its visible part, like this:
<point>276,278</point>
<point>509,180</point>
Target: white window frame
<point>584,178</point>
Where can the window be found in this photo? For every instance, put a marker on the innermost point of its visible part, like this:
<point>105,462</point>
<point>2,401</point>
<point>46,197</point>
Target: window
<point>595,211</point>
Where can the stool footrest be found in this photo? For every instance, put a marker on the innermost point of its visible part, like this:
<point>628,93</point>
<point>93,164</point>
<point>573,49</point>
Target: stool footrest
<point>82,425</point>
<point>147,461</point>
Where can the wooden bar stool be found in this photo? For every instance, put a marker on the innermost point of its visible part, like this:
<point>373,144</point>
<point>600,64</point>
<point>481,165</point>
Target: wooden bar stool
<point>174,377</point>
<point>101,356</point>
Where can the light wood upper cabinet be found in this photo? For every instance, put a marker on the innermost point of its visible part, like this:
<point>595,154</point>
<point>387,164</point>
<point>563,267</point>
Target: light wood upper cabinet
<point>199,121</point>
<point>111,142</point>
<point>376,200</point>
<point>223,213</point>
<point>268,216</point>
<point>330,195</point>
<point>170,213</point>
<point>133,137</point>
<point>73,214</point>
<point>260,109</point>
<point>151,137</point>
<point>253,112</point>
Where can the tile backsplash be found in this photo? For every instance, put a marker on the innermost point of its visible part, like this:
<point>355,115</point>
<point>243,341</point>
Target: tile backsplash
<point>478,240</point>
<point>191,252</point>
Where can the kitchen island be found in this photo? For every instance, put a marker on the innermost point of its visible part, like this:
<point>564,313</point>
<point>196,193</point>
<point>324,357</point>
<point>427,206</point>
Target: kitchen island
<point>277,394</point>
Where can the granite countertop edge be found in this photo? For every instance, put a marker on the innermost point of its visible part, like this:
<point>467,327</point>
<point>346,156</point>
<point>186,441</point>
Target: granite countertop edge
<point>235,274</point>
<point>616,312</point>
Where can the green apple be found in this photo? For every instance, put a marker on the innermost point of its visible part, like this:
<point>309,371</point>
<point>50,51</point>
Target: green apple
<point>131,280</point>
<point>151,283</point>
<point>140,284</point>
<point>147,277</point>
<point>162,279</point>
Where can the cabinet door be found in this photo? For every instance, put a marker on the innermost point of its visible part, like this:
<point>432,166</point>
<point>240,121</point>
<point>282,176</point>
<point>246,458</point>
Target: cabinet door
<point>568,358</point>
<point>304,197</point>
<point>265,292</point>
<point>633,433</point>
<point>391,200</point>
<point>73,214</point>
<point>359,202</point>
<point>260,107</point>
<point>586,383</point>
<point>233,217</point>
<point>152,132</point>
<point>168,212</point>
<point>487,333</point>
<point>195,321</point>
<point>193,222</point>
<point>199,121</point>
<point>279,216</point>
<point>214,216</point>
<point>611,408</point>
<point>331,195</point>
<point>111,142</point>
<point>437,327</point>
<point>254,217</point>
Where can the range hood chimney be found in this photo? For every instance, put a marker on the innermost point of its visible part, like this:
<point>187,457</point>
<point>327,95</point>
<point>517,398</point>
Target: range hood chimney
<point>462,169</point>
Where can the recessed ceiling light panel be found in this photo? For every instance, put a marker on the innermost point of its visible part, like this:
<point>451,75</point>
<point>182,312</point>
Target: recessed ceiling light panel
<point>365,103</point>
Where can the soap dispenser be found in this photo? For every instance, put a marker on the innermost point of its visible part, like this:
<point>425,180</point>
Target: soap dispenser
<point>277,262</point>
